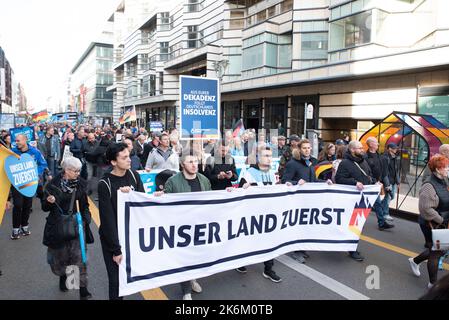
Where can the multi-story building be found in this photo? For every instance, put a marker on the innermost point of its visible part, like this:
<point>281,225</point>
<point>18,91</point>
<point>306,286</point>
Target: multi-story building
<point>6,85</point>
<point>355,61</point>
<point>90,77</point>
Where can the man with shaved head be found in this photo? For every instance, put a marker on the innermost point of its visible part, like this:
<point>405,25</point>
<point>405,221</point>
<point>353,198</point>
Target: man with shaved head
<point>22,205</point>
<point>354,170</point>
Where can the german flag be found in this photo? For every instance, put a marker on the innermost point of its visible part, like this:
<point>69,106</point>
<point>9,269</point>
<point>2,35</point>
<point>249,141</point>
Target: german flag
<point>40,116</point>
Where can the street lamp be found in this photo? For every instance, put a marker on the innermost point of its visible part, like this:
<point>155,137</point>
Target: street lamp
<point>220,68</point>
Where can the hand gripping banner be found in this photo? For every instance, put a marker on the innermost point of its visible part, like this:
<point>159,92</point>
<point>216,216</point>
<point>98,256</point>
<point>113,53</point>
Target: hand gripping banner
<point>179,237</point>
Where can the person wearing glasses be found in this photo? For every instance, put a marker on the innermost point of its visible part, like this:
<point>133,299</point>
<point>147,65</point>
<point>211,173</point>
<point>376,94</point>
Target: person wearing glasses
<point>61,195</point>
<point>261,174</point>
<point>188,180</point>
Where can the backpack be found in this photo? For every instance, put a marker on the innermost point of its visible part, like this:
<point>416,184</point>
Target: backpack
<point>108,183</point>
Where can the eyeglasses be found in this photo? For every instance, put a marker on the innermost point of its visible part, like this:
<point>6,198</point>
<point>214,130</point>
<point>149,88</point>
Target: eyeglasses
<point>74,171</point>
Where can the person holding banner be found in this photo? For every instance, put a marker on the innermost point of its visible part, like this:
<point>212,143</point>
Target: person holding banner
<point>433,214</point>
<point>261,175</point>
<point>188,180</point>
<point>220,169</point>
<point>62,193</point>
<point>123,179</point>
<point>298,171</point>
<point>354,170</point>
<point>22,204</point>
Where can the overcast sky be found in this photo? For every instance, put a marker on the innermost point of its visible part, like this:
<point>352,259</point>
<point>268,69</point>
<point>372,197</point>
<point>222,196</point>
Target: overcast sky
<point>43,39</point>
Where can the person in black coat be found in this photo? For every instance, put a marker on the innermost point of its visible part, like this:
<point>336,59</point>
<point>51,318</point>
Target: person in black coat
<point>124,179</point>
<point>378,172</point>
<point>354,170</point>
<point>299,170</point>
<point>62,194</point>
<point>220,169</point>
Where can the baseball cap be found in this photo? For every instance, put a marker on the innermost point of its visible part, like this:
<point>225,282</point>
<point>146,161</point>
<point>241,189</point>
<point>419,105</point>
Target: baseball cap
<point>339,142</point>
<point>294,137</point>
<point>392,145</point>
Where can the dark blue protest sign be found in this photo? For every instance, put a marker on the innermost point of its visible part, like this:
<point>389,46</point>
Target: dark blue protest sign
<point>200,108</point>
<point>27,131</point>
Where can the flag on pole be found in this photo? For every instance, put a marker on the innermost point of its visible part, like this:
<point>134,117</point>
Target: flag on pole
<point>40,116</point>
<point>239,129</point>
<point>129,115</point>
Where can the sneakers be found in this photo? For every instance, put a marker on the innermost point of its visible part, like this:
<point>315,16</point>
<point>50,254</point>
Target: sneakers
<point>196,286</point>
<point>187,296</point>
<point>85,294</point>
<point>429,285</point>
<point>15,234</point>
<point>356,256</point>
<point>62,285</point>
<point>415,267</point>
<point>386,226</point>
<point>388,217</point>
<point>241,270</point>
<point>270,274</point>
<point>298,256</point>
<point>25,231</point>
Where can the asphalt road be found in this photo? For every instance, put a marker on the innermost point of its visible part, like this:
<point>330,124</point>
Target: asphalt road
<point>325,276</point>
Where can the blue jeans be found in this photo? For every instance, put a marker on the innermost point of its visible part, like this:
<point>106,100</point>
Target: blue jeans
<point>52,166</point>
<point>379,212</point>
<point>387,199</point>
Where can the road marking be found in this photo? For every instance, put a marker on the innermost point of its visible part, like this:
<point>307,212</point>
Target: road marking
<point>154,294</point>
<point>322,279</point>
<point>394,248</point>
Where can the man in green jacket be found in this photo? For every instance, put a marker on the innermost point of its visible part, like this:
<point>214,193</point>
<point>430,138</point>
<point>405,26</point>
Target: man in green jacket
<point>188,180</point>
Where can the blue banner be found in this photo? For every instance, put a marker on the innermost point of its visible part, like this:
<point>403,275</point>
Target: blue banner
<point>200,112</point>
<point>27,131</point>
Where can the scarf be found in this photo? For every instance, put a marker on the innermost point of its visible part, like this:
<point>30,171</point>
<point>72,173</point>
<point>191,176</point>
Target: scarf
<point>68,186</point>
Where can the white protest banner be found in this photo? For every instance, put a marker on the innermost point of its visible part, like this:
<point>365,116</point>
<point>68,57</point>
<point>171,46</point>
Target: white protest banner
<point>179,237</point>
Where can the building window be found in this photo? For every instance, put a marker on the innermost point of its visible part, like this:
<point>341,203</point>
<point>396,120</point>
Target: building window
<point>351,31</point>
<point>176,50</point>
<point>104,106</point>
<point>194,37</point>
<point>314,45</point>
<point>144,62</point>
<point>166,21</point>
<point>237,20</point>
<point>161,82</point>
<point>194,5</point>
<point>164,47</point>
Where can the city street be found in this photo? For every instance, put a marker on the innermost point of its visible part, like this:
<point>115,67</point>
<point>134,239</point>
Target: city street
<point>325,276</point>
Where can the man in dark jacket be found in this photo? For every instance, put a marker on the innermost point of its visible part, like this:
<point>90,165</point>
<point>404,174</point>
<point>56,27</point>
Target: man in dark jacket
<point>77,149</point>
<point>354,170</point>
<point>89,147</point>
<point>378,171</point>
<point>287,155</point>
<point>220,169</point>
<point>148,147</point>
<point>391,163</point>
<point>299,170</point>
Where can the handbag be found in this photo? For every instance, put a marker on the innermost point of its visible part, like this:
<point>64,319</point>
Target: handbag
<point>440,238</point>
<point>67,226</point>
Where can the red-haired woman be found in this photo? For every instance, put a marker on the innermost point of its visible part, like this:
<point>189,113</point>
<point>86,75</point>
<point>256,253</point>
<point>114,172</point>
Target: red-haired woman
<point>433,213</point>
